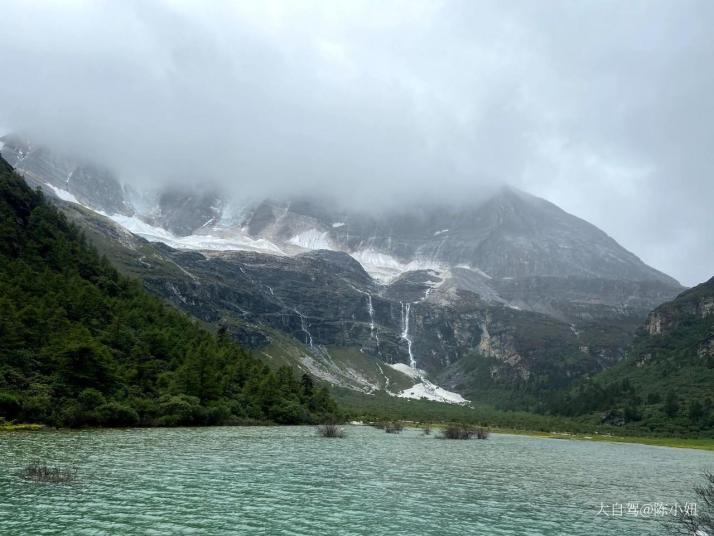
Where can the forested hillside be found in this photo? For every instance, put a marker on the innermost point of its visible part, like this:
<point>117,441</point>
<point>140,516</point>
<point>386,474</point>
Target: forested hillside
<point>82,345</point>
<point>666,384</point>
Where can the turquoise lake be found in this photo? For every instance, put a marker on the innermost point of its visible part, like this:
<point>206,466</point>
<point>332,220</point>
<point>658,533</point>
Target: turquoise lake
<point>258,480</point>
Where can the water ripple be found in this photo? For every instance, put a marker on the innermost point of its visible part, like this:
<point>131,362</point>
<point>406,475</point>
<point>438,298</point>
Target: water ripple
<point>288,481</point>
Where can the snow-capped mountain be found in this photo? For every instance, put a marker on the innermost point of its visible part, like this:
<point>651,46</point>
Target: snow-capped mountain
<point>535,293</point>
<point>512,234</point>
<point>483,247</point>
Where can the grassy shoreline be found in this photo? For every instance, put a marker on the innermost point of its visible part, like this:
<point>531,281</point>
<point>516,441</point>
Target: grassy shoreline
<point>669,442</point>
<point>11,427</point>
<point>385,408</point>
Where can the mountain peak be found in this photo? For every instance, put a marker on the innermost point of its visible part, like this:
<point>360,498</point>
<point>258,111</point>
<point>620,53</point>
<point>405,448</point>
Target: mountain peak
<point>512,234</point>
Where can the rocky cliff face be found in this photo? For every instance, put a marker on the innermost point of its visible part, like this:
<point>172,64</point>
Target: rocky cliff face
<point>692,306</point>
<point>683,326</point>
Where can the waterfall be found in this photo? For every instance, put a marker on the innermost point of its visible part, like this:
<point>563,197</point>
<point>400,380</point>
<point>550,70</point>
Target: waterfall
<point>370,311</point>
<point>424,388</point>
<point>406,308</point>
<point>372,328</point>
<point>303,326</point>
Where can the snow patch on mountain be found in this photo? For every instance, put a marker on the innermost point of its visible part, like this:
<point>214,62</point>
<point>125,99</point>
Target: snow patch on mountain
<point>429,391</point>
<point>338,224</point>
<point>406,369</point>
<point>385,268</point>
<point>425,389</point>
<point>233,242</point>
<point>218,237</point>
<point>312,239</point>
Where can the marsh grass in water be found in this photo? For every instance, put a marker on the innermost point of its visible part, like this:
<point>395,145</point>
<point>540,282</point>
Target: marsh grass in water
<point>38,471</point>
<point>330,430</point>
<point>457,431</point>
<point>394,427</point>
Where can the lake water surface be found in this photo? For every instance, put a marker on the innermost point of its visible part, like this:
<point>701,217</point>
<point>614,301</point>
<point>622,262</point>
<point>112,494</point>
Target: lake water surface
<point>289,481</point>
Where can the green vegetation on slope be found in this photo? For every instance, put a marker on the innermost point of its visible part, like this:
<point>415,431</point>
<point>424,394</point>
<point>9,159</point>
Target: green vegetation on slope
<point>82,345</point>
<point>666,385</point>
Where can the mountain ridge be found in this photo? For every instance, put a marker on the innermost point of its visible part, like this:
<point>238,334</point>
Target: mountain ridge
<point>509,235</point>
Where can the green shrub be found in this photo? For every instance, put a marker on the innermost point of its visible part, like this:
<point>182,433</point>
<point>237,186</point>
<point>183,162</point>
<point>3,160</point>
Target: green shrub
<point>91,399</point>
<point>117,414</point>
<point>219,413</point>
<point>10,406</point>
<point>288,412</point>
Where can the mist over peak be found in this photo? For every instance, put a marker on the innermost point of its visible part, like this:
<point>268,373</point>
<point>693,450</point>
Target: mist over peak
<point>380,107</point>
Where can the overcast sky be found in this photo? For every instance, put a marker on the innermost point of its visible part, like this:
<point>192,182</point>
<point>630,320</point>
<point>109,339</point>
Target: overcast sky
<point>604,108</point>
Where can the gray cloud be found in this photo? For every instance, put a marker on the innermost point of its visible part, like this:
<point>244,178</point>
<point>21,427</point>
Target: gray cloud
<point>603,108</point>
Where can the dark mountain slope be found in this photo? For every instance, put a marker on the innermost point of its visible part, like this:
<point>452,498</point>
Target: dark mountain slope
<point>82,345</point>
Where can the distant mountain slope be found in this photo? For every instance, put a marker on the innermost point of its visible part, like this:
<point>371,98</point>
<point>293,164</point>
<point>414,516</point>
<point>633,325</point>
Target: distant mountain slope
<point>509,235</point>
<point>506,299</point>
<point>321,312</point>
<point>82,345</point>
<point>510,248</point>
<point>667,380</point>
